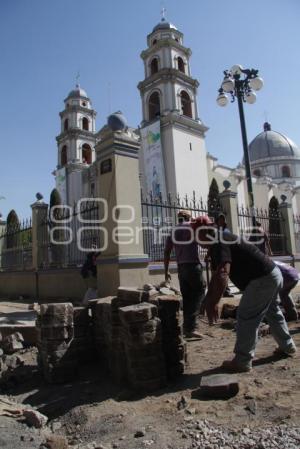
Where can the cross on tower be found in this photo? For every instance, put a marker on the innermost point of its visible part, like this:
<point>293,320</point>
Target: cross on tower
<point>163,14</point>
<point>77,78</point>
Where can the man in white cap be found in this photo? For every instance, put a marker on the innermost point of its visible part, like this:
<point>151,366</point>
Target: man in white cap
<point>190,270</point>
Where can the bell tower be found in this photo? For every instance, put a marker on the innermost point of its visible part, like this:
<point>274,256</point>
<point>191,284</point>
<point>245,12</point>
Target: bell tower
<point>169,95</point>
<point>75,144</point>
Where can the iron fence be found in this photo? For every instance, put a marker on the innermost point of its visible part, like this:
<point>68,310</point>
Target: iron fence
<point>66,237</point>
<point>16,246</point>
<point>160,216</point>
<point>296,219</point>
<point>271,222</point>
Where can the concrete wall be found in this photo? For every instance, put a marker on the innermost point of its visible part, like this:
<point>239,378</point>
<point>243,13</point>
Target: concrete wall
<point>52,284</point>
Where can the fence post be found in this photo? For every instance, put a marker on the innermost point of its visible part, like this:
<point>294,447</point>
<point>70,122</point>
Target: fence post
<point>228,200</point>
<point>287,214</point>
<point>2,239</point>
<point>122,260</point>
<point>39,214</point>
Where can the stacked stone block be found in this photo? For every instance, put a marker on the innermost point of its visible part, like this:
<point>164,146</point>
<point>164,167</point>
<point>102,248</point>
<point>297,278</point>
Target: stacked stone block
<point>102,324</point>
<point>173,344</point>
<point>64,340</point>
<point>142,339</point>
<point>56,331</point>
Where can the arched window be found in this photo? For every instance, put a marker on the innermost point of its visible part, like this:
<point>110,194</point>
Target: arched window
<point>285,171</point>
<point>154,66</point>
<point>186,105</point>
<point>63,156</point>
<point>66,125</point>
<point>154,41</point>
<point>257,172</point>
<point>85,124</point>
<point>86,154</point>
<point>180,63</point>
<point>154,106</point>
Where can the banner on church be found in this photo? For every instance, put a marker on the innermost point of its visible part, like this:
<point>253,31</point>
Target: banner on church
<point>61,184</point>
<point>154,170</point>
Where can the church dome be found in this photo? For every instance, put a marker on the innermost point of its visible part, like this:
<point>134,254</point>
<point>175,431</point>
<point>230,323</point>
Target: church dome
<point>77,92</point>
<point>117,121</point>
<point>270,144</point>
<point>164,25</point>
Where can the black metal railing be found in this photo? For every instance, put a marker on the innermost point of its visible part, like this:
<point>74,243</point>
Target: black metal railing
<point>159,216</point>
<point>16,246</point>
<point>271,222</point>
<point>66,237</point>
<point>296,219</point>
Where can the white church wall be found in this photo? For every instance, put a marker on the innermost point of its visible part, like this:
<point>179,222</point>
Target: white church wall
<point>168,157</point>
<point>190,164</point>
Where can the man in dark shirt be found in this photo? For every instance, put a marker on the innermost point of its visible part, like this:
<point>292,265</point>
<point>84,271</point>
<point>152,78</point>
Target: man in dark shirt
<point>259,279</point>
<point>190,277</point>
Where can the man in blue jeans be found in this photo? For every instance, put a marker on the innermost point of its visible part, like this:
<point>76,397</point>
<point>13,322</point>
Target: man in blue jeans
<point>260,280</point>
<point>189,267</point>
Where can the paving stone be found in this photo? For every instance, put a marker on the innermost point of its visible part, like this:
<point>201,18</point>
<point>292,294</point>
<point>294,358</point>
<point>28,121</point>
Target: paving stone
<point>137,313</point>
<point>219,386</point>
<point>56,315</point>
<point>132,295</point>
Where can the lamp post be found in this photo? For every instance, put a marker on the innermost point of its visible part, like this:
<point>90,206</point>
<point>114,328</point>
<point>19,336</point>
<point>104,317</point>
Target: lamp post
<point>241,83</point>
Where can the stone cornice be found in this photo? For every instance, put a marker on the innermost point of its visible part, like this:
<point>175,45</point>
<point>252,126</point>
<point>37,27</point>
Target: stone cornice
<point>76,132</point>
<point>275,160</point>
<point>183,122</point>
<point>165,75</point>
<point>78,108</point>
<point>165,43</point>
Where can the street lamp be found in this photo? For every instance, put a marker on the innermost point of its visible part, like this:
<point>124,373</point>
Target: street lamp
<point>241,83</point>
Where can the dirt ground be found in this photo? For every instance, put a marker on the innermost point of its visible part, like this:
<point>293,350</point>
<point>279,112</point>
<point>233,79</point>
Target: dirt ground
<point>93,412</point>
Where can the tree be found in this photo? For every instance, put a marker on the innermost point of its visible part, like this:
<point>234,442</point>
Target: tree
<point>213,202</point>
<point>13,227</point>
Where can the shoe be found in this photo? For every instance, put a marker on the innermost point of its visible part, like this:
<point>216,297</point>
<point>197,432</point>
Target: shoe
<point>233,366</point>
<point>194,335</point>
<point>292,315</point>
<point>289,351</point>
<point>228,295</point>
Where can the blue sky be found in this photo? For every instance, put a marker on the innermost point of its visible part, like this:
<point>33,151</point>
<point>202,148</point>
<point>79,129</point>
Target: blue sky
<point>44,43</point>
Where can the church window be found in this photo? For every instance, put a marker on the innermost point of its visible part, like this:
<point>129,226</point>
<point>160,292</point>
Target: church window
<point>66,125</point>
<point>154,41</point>
<point>286,172</point>
<point>154,66</point>
<point>84,104</point>
<point>186,104</point>
<point>176,39</point>
<point>86,154</point>
<point>85,124</point>
<point>63,156</point>
<point>180,63</point>
<point>257,172</point>
<point>154,106</point>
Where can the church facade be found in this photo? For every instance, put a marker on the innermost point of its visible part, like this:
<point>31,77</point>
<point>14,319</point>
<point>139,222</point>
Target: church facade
<point>173,155</point>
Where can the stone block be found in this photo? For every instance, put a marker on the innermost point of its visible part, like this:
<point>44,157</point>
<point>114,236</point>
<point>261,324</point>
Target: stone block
<point>130,295</point>
<point>219,386</point>
<point>170,302</point>
<point>57,333</point>
<point>229,311</point>
<point>137,313</point>
<point>60,373</point>
<point>56,315</point>
<point>81,317</point>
